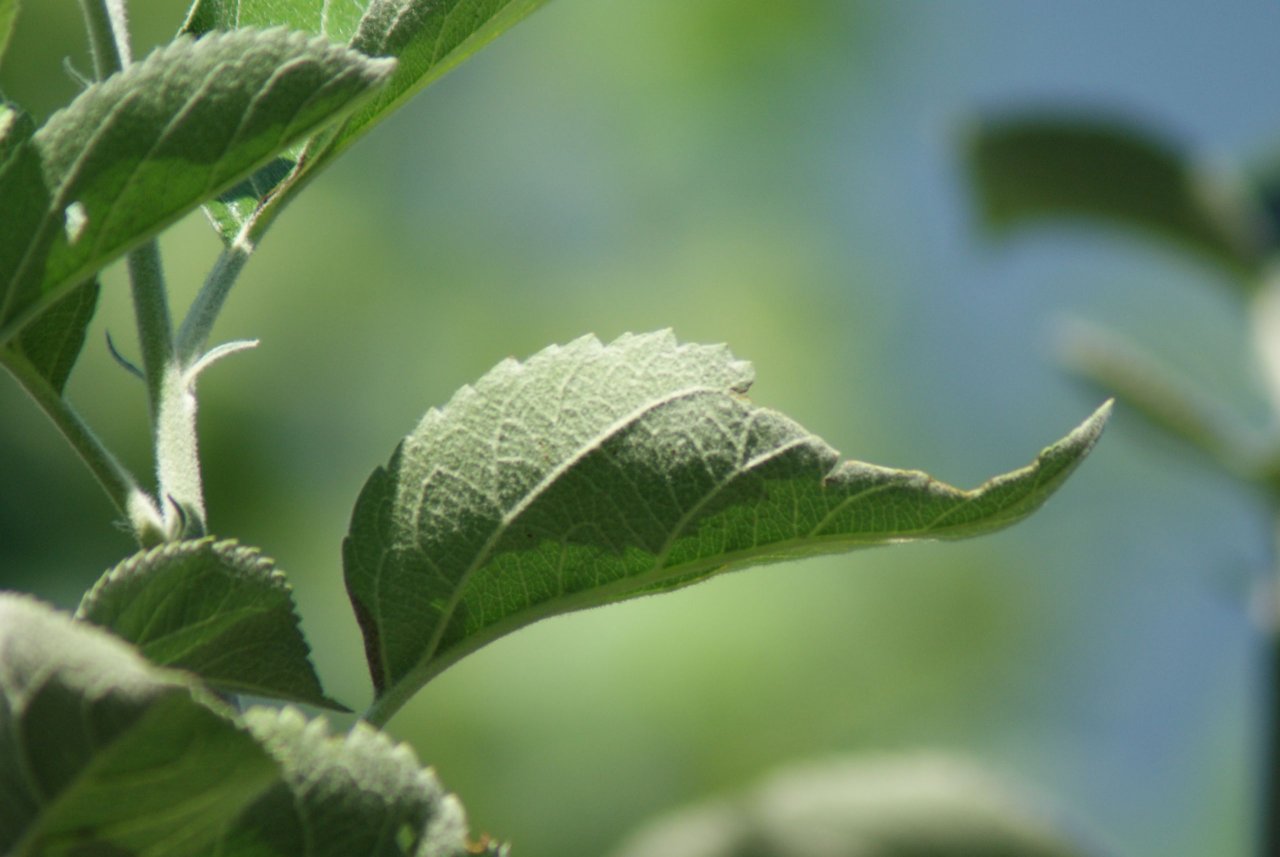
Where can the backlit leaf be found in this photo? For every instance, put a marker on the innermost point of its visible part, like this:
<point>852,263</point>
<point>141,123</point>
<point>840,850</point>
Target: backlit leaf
<point>593,473</point>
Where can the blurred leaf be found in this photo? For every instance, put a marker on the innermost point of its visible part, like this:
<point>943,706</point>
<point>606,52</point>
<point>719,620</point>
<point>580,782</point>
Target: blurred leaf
<point>922,807</point>
<point>214,608</point>
<point>103,753</point>
<point>1165,402</point>
<point>426,37</point>
<point>8,15</point>
<point>133,153</point>
<point>592,473</point>
<point>1033,167</point>
<point>358,795</point>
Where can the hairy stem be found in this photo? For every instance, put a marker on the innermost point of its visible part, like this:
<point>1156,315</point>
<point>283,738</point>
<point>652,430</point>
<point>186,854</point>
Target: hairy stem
<point>198,324</point>
<point>118,483</point>
<point>108,35</point>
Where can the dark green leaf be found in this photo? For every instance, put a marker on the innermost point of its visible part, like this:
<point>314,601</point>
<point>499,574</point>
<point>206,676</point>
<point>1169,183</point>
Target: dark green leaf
<point>360,794</point>
<point>53,341</point>
<point>593,473</point>
<point>214,608</point>
<point>1026,168</point>
<point>912,807</point>
<point>133,153</point>
<point>103,753</point>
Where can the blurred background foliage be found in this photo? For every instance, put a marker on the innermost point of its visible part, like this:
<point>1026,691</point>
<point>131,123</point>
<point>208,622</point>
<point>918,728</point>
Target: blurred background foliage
<point>785,178</point>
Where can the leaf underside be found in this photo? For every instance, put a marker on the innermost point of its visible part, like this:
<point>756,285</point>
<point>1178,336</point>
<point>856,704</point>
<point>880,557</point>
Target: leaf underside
<point>213,608</point>
<point>591,473</point>
<point>103,753</point>
<point>1033,167</point>
<point>426,37</point>
<point>133,153</point>
<point>360,794</point>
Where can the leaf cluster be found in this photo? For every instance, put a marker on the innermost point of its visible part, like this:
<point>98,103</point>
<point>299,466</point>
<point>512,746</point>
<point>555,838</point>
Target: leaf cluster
<point>588,474</point>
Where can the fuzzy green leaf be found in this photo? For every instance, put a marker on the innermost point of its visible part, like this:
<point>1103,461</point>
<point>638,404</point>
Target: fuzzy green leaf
<point>426,37</point>
<point>593,473</point>
<point>1034,167</point>
<point>214,608</point>
<point>103,753</point>
<point>887,807</point>
<point>135,152</point>
<point>358,794</point>
<point>16,127</point>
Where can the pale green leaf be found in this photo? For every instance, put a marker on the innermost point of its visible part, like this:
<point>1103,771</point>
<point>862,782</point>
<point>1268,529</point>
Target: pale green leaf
<point>133,153</point>
<point>1035,167</point>
<point>214,608</point>
<point>359,794</point>
<point>887,807</point>
<point>593,473</point>
<point>104,753</point>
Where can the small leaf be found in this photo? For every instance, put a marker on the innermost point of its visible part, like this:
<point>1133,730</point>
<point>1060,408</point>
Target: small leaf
<point>593,473</point>
<point>887,807</point>
<point>103,753</point>
<point>357,795</point>
<point>214,608</point>
<point>133,153</point>
<point>1032,167</point>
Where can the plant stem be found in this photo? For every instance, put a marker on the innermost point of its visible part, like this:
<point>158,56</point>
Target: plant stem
<point>108,35</point>
<point>118,483</point>
<point>151,313</point>
<point>196,327</point>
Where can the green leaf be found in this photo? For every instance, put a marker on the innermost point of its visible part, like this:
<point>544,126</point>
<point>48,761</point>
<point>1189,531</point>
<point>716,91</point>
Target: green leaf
<point>426,37</point>
<point>53,341</point>
<point>1033,167</point>
<point>887,807</point>
<point>133,153</point>
<point>103,753</point>
<point>214,608</point>
<point>8,16</point>
<point>359,794</point>
<point>593,473</point>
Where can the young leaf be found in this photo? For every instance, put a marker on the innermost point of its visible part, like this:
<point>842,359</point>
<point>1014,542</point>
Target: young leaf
<point>103,753</point>
<point>426,37</point>
<point>593,473</point>
<point>133,153</point>
<point>357,795</point>
<point>1026,168</point>
<point>887,807</point>
<point>214,608</point>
